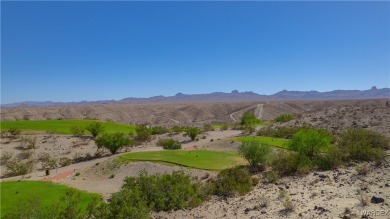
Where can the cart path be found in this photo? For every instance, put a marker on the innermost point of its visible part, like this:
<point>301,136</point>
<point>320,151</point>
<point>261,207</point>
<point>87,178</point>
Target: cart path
<point>62,175</point>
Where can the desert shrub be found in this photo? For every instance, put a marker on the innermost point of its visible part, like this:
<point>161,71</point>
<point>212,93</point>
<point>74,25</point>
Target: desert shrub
<point>167,191</point>
<point>255,153</point>
<point>363,145</point>
<point>207,128</point>
<point>362,169</point>
<point>272,176</point>
<point>129,203</point>
<point>169,144</point>
<point>290,163</point>
<point>29,142</point>
<point>64,161</point>
<point>143,133</point>
<point>177,129</point>
<point>17,167</point>
<point>281,132</point>
<point>14,132</point>
<point>77,131</point>
<point>48,162</point>
<point>113,142</point>
<point>288,205</point>
<point>95,128</point>
<point>330,159</point>
<point>193,132</point>
<point>284,118</point>
<point>310,142</point>
<point>157,130</point>
<point>249,122</point>
<point>5,157</point>
<point>225,127</point>
<point>25,155</point>
<point>232,182</point>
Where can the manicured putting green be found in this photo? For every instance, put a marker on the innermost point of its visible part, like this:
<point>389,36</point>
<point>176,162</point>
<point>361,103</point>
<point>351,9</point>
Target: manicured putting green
<point>14,191</point>
<point>274,142</point>
<point>198,159</point>
<point>63,126</point>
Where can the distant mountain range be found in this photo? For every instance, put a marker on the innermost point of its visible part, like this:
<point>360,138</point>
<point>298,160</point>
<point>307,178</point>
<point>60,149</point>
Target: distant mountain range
<point>232,96</point>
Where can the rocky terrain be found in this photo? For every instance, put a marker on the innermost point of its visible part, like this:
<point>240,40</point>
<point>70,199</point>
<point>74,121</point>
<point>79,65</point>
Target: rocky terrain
<point>193,114</point>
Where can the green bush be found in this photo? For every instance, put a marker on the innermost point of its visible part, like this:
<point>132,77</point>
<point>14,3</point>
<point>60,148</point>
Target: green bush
<point>272,176</point>
<point>113,142</point>
<point>95,128</point>
<point>249,122</point>
<point>207,128</point>
<point>128,203</point>
<point>363,145</point>
<point>329,160</point>
<point>14,132</point>
<point>309,142</point>
<point>143,133</point>
<point>193,132</point>
<point>169,144</point>
<point>255,153</point>
<point>225,127</point>
<point>232,182</point>
<point>17,167</point>
<point>281,132</point>
<point>158,130</point>
<point>77,131</point>
<point>284,118</point>
<point>290,163</point>
<point>167,191</point>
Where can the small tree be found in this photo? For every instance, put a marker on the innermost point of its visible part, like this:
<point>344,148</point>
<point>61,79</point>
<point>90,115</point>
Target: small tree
<point>255,153</point>
<point>249,122</point>
<point>95,128</point>
<point>309,142</point>
<point>113,142</point>
<point>193,132</point>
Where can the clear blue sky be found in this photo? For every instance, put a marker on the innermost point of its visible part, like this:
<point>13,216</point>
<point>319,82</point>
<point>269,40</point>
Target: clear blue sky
<point>73,51</point>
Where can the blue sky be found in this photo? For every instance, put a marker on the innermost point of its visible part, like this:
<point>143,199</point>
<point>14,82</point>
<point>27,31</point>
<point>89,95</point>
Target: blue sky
<point>73,51</point>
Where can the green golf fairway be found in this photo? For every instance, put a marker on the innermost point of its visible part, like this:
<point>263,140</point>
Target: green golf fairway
<point>273,142</point>
<point>64,126</point>
<point>14,191</point>
<point>198,159</point>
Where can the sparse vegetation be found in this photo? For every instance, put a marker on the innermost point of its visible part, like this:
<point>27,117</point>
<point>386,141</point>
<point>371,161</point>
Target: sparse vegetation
<point>284,118</point>
<point>29,142</point>
<point>5,157</point>
<point>363,145</point>
<point>17,167</point>
<point>13,132</point>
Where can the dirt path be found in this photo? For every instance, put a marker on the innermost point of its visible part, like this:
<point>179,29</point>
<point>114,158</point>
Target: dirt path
<point>239,111</point>
<point>259,111</point>
<point>62,175</point>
